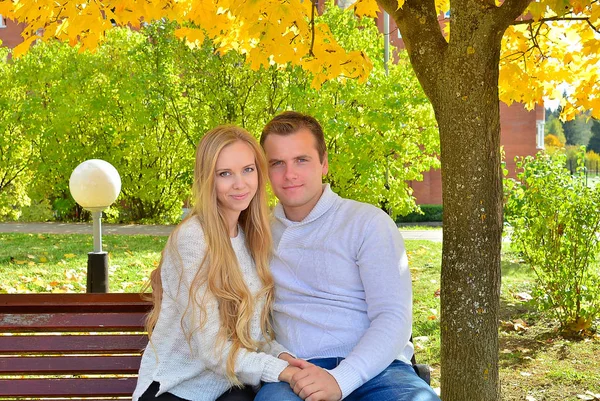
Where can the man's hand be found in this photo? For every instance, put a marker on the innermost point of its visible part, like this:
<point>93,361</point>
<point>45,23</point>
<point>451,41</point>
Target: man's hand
<point>313,383</point>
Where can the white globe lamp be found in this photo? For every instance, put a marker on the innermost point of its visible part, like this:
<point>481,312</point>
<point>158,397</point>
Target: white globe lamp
<point>95,184</point>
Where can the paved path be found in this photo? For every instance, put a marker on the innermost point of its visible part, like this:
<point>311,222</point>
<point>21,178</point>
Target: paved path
<point>137,229</point>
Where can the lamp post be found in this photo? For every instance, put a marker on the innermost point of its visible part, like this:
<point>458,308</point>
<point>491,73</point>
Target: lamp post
<point>95,184</point>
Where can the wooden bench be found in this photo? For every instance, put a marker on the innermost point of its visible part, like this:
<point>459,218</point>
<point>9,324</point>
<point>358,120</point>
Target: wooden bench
<point>70,345</point>
<point>57,346</point>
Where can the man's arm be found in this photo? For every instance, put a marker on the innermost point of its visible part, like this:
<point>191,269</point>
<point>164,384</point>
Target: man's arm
<point>383,267</point>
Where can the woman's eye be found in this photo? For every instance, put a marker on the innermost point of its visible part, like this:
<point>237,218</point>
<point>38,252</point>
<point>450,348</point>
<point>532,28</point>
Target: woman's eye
<point>224,173</point>
<point>249,169</point>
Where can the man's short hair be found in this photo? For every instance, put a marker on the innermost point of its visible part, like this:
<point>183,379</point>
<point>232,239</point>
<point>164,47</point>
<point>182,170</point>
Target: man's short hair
<point>290,122</point>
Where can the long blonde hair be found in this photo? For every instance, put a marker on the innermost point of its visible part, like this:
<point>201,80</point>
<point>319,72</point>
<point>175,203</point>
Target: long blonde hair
<point>219,270</point>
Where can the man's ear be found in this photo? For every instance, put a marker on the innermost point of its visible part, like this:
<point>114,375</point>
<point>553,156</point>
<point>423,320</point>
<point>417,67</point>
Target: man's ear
<point>325,164</point>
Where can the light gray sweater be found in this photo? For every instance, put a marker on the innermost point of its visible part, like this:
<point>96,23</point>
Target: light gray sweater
<point>197,371</point>
<point>343,288</point>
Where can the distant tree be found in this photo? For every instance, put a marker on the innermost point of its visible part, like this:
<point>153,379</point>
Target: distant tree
<point>577,131</point>
<point>555,127</point>
<point>594,143</point>
<point>552,141</point>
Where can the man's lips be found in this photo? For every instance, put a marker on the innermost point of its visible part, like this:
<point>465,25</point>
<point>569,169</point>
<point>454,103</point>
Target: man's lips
<point>291,187</point>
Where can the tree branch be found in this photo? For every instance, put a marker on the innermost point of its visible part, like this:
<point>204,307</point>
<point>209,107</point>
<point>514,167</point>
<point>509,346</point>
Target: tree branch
<point>531,21</point>
<point>423,38</point>
<point>510,10</point>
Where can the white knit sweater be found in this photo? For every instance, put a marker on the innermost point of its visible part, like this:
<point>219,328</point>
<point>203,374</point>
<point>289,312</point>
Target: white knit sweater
<point>197,371</point>
<point>343,288</point>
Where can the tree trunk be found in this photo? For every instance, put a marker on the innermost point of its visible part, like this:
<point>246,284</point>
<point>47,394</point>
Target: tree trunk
<point>472,193</point>
<point>461,80</point>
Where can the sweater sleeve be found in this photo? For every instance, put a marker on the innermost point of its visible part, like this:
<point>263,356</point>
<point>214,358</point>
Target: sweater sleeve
<point>178,271</point>
<point>275,349</point>
<point>383,267</point>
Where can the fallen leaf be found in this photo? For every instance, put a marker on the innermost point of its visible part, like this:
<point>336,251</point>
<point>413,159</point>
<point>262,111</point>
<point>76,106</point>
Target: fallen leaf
<point>524,296</point>
<point>69,255</point>
<point>437,293</point>
<point>31,256</point>
<point>43,259</point>
<point>580,325</point>
<point>432,317</point>
<point>585,397</point>
<point>525,374</point>
<point>530,398</point>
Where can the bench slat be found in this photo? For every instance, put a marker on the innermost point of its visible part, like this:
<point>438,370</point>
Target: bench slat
<point>68,387</point>
<point>23,322</point>
<point>63,365</point>
<point>78,303</point>
<point>72,344</point>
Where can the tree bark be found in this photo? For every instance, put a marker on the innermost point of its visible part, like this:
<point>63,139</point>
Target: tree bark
<point>460,78</point>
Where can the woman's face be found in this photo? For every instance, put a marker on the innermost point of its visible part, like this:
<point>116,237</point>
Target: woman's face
<point>236,179</point>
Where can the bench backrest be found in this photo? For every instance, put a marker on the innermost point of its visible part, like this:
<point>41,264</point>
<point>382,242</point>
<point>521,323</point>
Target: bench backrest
<point>70,345</point>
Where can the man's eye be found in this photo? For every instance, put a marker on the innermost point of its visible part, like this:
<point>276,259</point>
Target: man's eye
<point>274,164</point>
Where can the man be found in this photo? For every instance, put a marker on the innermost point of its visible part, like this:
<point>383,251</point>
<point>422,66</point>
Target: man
<point>343,287</point>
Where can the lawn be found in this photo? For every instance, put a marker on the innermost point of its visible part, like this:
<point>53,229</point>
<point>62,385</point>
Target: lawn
<point>536,362</point>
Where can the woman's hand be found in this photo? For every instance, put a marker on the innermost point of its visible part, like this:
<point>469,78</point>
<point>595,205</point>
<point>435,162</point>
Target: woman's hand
<point>287,373</point>
<point>286,357</point>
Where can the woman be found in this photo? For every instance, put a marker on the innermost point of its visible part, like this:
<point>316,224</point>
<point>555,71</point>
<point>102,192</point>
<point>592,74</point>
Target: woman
<point>212,292</point>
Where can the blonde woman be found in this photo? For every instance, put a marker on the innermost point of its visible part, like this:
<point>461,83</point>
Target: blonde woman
<point>212,292</point>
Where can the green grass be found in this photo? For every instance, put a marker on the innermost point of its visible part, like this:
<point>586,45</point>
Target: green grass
<point>58,263</point>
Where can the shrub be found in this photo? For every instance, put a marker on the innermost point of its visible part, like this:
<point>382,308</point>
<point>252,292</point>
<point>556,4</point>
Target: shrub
<point>555,218</point>
<point>37,211</point>
<point>427,213</point>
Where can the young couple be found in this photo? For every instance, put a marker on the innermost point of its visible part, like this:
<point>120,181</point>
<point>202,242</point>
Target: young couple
<point>327,277</point>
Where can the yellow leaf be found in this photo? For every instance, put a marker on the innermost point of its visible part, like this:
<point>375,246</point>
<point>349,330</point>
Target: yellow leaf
<point>43,259</point>
<point>366,8</point>
<point>193,37</point>
<point>69,255</point>
<point>442,6</point>
<point>22,48</point>
<point>470,50</point>
<point>20,262</point>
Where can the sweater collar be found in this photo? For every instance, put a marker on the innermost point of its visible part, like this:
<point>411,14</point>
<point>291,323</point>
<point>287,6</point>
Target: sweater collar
<point>326,201</point>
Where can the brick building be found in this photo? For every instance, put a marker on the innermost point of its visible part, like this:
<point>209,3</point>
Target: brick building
<point>10,32</point>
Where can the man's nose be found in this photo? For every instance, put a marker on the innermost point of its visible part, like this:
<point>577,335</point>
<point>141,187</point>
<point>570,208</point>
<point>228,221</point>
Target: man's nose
<point>290,172</point>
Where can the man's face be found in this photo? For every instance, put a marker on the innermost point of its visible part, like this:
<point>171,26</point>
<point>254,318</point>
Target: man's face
<point>295,171</point>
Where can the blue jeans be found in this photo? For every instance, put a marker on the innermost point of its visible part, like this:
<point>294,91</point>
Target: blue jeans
<point>398,382</point>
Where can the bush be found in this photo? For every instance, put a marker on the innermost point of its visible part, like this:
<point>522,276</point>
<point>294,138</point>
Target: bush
<point>555,218</point>
<point>37,211</point>
<point>427,213</point>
